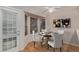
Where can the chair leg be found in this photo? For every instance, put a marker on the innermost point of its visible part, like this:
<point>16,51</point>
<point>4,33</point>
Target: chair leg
<point>41,44</point>
<point>60,49</point>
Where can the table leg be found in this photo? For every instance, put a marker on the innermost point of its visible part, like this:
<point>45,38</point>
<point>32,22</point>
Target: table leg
<point>34,44</point>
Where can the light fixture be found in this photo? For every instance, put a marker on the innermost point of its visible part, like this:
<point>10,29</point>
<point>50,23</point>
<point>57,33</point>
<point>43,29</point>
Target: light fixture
<point>50,9</point>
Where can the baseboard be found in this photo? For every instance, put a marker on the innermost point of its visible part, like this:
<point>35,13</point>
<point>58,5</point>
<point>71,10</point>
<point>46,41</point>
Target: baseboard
<point>21,50</point>
<point>72,44</point>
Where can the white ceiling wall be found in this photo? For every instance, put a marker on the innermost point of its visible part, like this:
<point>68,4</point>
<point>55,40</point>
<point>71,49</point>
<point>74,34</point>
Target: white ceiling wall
<point>38,10</point>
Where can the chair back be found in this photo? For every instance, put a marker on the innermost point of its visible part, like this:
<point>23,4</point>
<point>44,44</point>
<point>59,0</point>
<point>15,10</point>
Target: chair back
<point>58,40</point>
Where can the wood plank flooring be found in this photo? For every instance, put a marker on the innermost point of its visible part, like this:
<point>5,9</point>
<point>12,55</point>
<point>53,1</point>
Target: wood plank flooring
<point>66,48</point>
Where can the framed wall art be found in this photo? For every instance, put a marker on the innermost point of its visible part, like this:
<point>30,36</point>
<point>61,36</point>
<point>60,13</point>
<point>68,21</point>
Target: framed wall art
<point>62,23</point>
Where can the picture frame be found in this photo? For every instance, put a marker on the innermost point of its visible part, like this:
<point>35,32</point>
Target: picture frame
<point>62,23</point>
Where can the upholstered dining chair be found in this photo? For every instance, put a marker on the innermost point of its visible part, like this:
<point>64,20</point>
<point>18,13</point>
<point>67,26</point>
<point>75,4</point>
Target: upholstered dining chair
<point>57,41</point>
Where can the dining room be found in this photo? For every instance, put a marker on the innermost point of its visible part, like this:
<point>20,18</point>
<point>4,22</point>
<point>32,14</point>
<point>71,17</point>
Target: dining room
<point>39,28</point>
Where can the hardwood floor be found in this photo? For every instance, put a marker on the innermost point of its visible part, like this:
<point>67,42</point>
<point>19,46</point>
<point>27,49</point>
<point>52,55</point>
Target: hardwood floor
<point>70,48</point>
<point>38,48</point>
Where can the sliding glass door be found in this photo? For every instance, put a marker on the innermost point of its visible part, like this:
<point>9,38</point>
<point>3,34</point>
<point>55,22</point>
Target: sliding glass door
<point>9,30</point>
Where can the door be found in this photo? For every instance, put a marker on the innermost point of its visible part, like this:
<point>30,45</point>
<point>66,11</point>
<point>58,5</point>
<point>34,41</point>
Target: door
<point>9,30</point>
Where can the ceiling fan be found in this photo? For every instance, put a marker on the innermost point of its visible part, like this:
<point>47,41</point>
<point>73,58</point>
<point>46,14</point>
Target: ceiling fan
<point>50,9</point>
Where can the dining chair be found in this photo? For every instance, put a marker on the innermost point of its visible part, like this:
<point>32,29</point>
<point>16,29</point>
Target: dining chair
<point>56,42</point>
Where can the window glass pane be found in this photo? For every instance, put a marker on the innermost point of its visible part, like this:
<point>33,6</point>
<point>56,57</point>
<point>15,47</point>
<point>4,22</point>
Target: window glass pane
<point>4,44</point>
<point>25,25</point>
<point>33,25</point>
<point>9,30</point>
<point>42,24</point>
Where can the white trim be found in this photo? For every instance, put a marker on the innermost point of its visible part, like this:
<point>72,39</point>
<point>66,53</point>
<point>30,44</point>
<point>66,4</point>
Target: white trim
<point>10,8</point>
<point>1,30</point>
<point>19,50</point>
<point>72,44</point>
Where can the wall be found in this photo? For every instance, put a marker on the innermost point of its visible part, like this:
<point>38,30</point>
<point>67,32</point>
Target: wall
<point>63,12</point>
<point>66,12</point>
<point>25,39</point>
<point>21,24</point>
<point>29,37</point>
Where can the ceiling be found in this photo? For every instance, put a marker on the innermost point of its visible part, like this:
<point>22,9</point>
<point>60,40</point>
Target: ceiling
<point>38,10</point>
<point>32,9</point>
<point>26,8</point>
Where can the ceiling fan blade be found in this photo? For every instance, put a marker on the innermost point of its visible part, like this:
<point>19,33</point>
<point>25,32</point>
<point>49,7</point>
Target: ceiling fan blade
<point>45,11</point>
<point>50,9</point>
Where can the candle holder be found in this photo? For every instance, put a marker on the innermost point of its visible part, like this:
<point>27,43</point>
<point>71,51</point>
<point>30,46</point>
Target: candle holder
<point>33,32</point>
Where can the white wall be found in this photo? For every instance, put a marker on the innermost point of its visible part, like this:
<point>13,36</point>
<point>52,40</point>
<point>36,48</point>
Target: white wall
<point>25,39</point>
<point>29,37</point>
<point>21,24</point>
<point>66,12</point>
